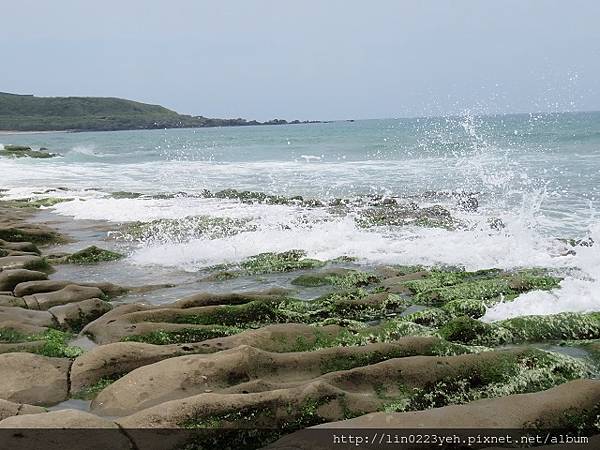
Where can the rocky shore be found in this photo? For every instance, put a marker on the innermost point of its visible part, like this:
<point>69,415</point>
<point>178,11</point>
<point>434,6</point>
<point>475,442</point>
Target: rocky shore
<point>385,347</point>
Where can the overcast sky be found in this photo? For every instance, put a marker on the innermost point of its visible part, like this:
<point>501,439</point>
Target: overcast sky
<point>308,59</point>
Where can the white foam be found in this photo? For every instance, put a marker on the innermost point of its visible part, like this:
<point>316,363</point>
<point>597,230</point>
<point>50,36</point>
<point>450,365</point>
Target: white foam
<point>147,209</point>
<point>579,292</point>
<point>473,249</point>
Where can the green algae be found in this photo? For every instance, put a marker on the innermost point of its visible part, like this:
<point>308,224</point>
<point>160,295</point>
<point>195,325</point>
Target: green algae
<point>404,215</point>
<point>506,374</point>
<point>36,236</point>
<point>350,361</point>
<point>40,265</point>
<point>510,373</point>
<point>279,262</point>
<point>343,279</point>
<point>55,343</point>
<point>90,392</point>
<point>430,317</point>
<point>245,428</point>
<point>465,329</point>
<point>469,307</point>
<point>33,203</point>
<point>523,329</point>
<point>260,197</point>
<point>440,277</point>
<point>440,287</point>
<point>21,151</point>
<point>340,308</point>
<point>185,335</point>
<point>93,255</point>
<point>125,195</point>
<point>246,315</point>
<point>553,327</point>
<point>180,230</point>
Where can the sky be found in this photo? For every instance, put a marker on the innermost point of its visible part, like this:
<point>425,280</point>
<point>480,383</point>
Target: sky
<point>309,59</point>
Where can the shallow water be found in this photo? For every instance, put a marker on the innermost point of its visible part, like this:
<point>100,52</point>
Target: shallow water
<point>81,405</point>
<point>539,174</point>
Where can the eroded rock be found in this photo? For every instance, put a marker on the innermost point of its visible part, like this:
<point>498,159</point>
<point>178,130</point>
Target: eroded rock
<point>560,407</point>
<point>9,409</point>
<point>33,379</point>
<point>74,316</point>
<point>382,371</point>
<point>9,279</point>
<point>69,294</point>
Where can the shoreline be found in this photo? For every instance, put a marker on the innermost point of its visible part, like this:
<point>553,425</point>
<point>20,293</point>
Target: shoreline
<point>92,130</point>
<point>11,132</point>
<point>269,359</point>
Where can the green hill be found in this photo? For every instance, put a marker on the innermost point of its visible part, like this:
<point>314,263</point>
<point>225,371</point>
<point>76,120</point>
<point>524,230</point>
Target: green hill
<point>30,113</point>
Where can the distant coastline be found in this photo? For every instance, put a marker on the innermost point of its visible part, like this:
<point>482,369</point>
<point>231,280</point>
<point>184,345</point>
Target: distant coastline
<point>28,114</point>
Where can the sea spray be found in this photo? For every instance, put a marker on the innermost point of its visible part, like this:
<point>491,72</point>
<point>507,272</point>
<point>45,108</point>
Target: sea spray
<point>531,181</point>
<point>578,292</point>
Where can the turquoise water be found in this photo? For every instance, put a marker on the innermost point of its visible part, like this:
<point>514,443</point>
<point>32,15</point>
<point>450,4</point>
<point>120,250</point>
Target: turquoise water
<point>540,174</point>
<point>508,155</point>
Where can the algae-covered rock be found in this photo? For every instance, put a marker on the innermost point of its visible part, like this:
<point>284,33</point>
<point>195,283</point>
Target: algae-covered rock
<point>394,214</point>
<point>182,335</point>
<point>466,330</point>
<point>74,316</point>
<point>93,255</point>
<point>430,317</point>
<point>36,234</point>
<point>186,228</point>
<point>19,246</point>
<point>50,342</point>
<point>438,288</point>
<point>126,194</point>
<point>555,408</point>
<point>523,329</point>
<point>260,197</point>
<point>553,327</point>
<point>342,278</point>
<point>21,151</point>
<point>279,262</point>
<point>34,203</point>
<point>29,262</point>
<point>295,395</point>
<point>468,307</point>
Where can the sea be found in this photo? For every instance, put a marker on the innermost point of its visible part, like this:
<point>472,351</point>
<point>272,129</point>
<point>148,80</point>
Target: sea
<point>538,175</point>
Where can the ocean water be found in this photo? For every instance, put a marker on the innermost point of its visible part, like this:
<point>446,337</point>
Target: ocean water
<point>538,174</point>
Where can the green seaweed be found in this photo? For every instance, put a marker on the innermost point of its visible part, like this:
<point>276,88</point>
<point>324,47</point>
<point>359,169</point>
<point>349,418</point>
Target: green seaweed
<point>54,342</point>
<point>90,392</point>
<point>36,236</point>
<point>93,255</point>
<point>439,288</point>
<point>279,262</point>
<point>523,329</point>
<point>182,229</point>
<point>185,335</point>
<point>343,279</point>
<point>510,373</point>
<point>33,203</point>
<point>21,151</point>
